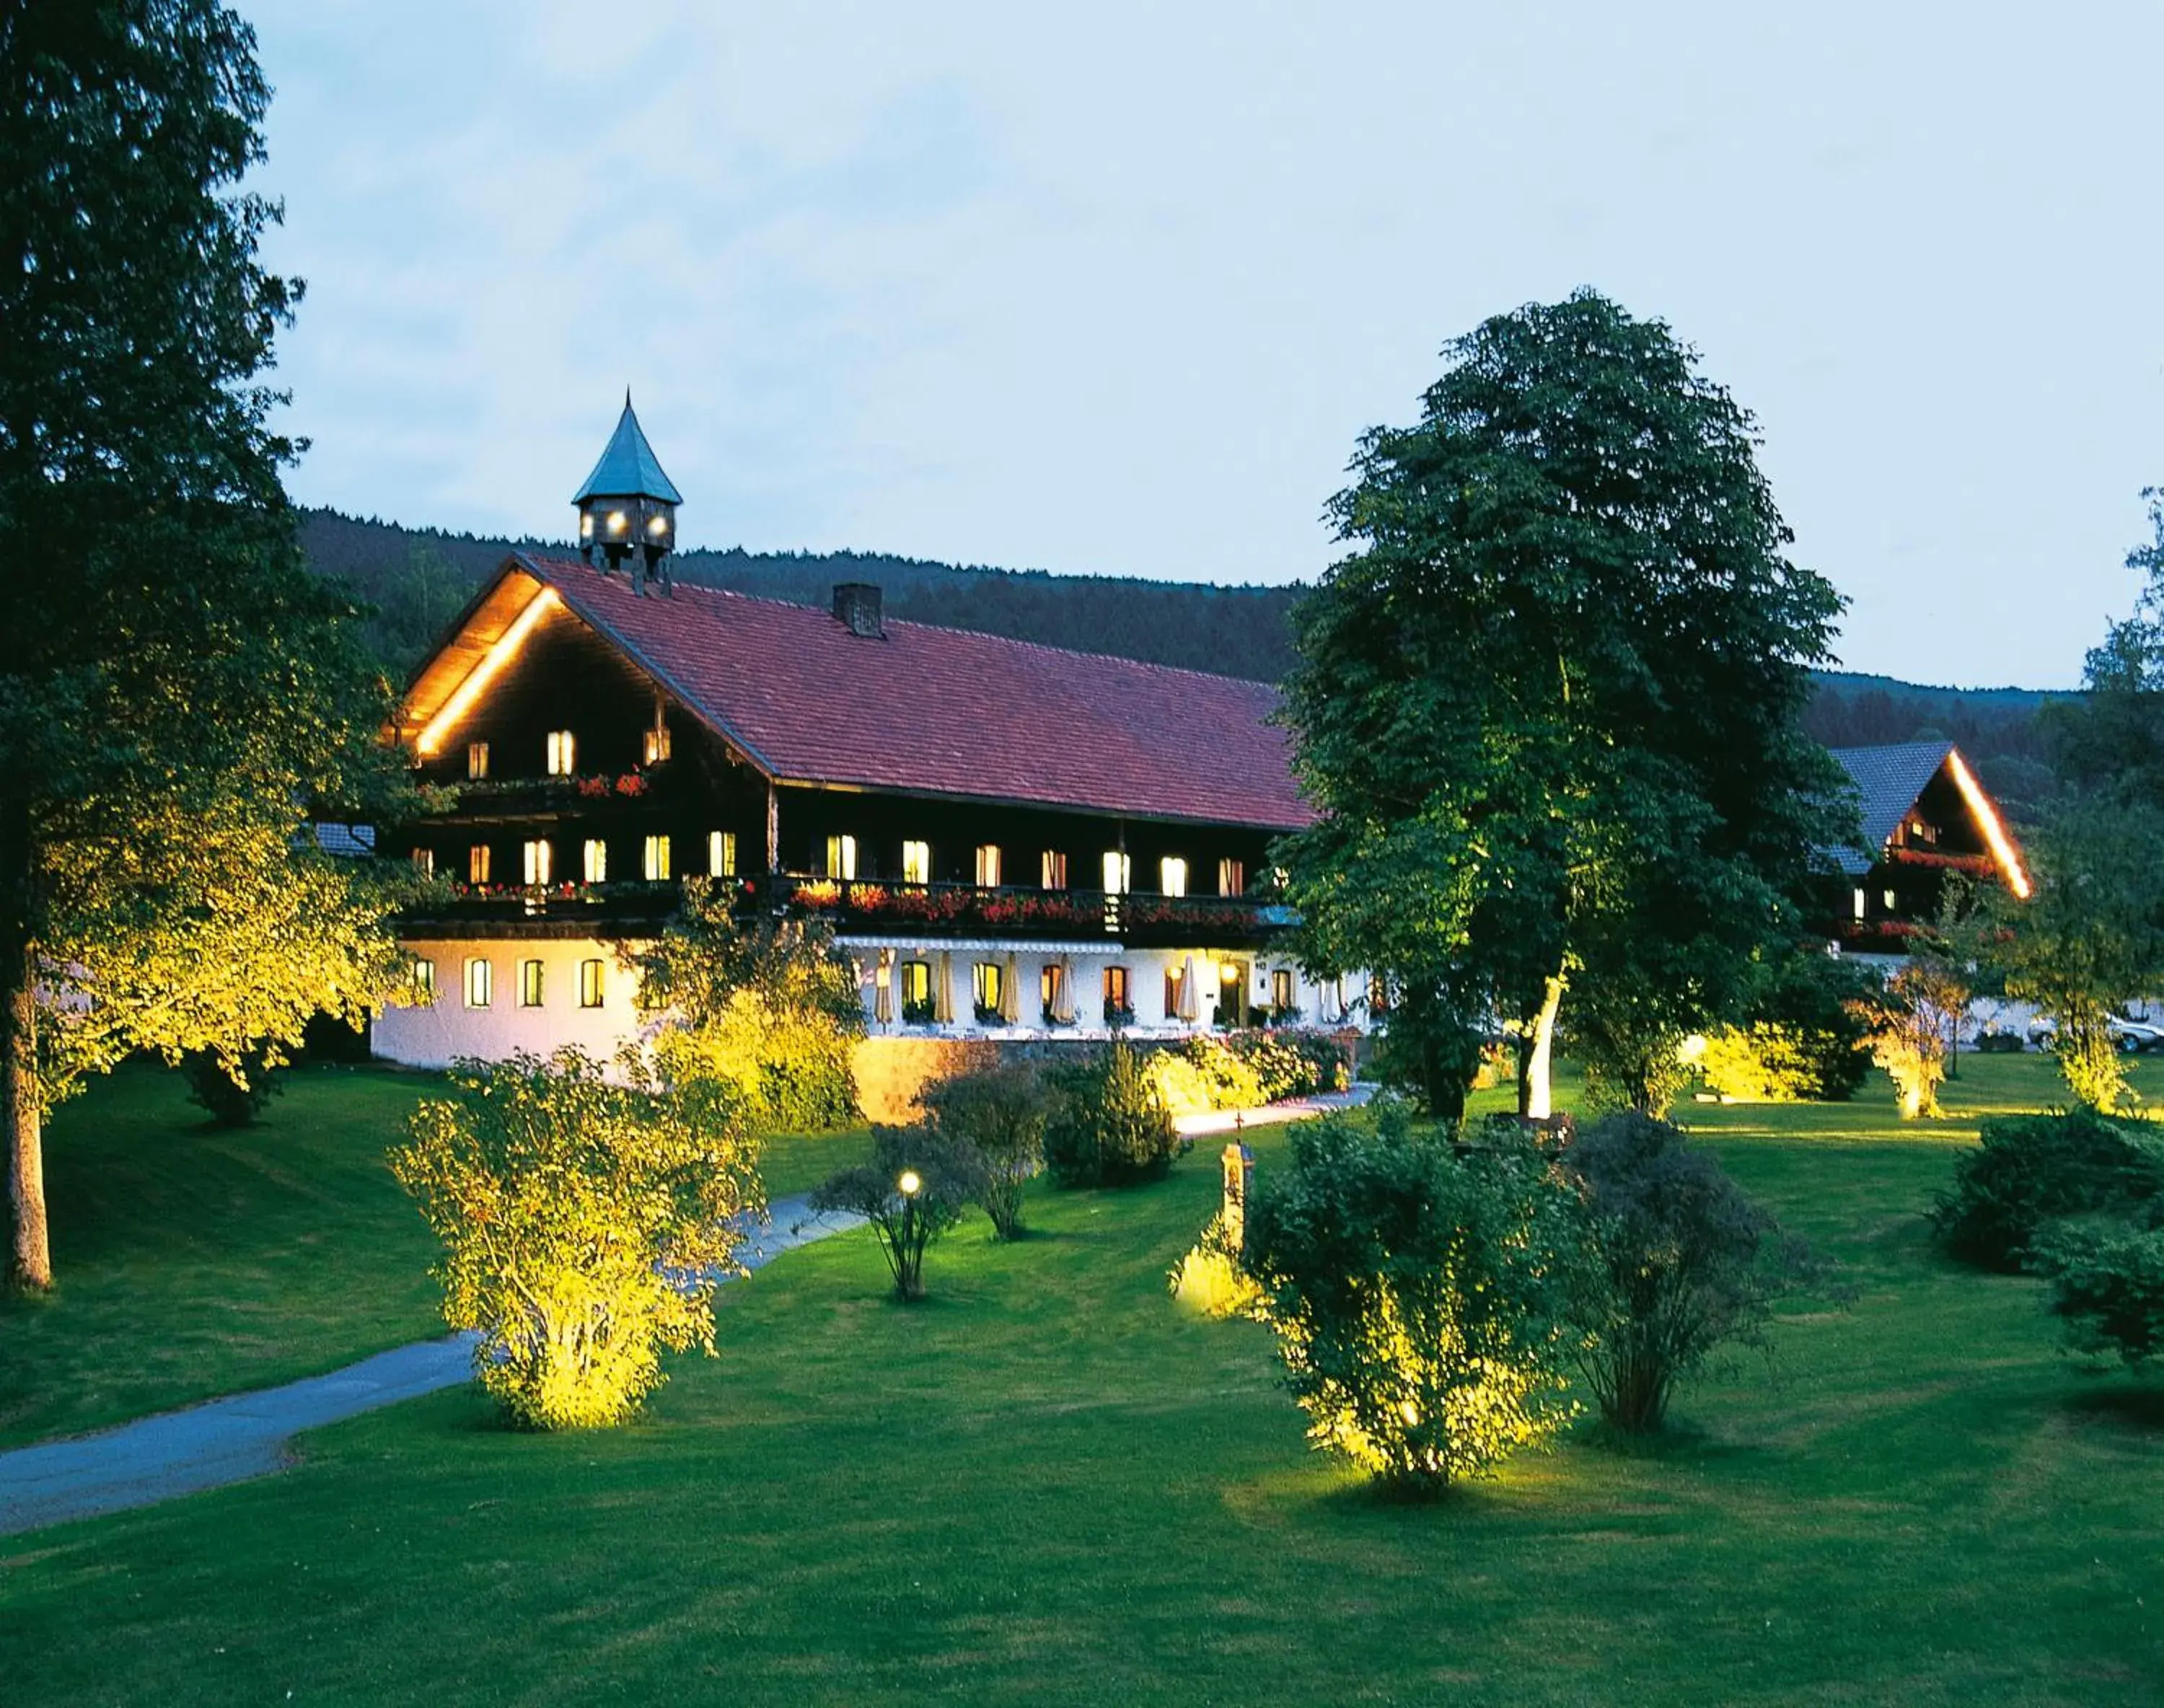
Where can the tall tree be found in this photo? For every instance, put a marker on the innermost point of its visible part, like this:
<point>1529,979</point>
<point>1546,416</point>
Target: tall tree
<point>1549,705</point>
<point>175,690</point>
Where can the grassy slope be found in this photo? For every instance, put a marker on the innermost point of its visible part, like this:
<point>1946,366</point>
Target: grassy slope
<point>1047,1482</point>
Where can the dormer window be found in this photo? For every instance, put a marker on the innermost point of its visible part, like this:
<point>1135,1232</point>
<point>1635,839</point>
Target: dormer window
<point>476,760</point>
<point>1172,875</point>
<point>988,865</point>
<point>917,863</point>
<point>562,754</point>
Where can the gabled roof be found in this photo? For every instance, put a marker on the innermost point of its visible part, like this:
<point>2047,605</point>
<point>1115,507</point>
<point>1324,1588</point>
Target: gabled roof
<point>1890,780</point>
<point>917,710</point>
<point>629,469</point>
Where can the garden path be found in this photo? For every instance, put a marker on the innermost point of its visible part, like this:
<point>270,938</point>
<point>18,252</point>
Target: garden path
<point>245,1435</point>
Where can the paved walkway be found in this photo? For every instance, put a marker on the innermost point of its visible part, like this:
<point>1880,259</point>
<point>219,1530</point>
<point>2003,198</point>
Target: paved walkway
<point>245,1435</point>
<point>1217,1120</point>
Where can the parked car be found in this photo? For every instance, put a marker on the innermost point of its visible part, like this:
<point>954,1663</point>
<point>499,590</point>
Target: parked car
<point>2132,1036</point>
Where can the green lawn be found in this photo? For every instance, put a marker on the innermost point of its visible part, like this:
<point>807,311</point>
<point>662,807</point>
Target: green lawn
<point>1047,1482</point>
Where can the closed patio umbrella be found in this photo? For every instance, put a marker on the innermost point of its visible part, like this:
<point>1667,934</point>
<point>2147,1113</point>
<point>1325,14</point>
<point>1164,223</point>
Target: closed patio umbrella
<point>1189,1004</point>
<point>1010,991</point>
<point>1063,992</point>
<point>942,990</point>
<point>883,989</point>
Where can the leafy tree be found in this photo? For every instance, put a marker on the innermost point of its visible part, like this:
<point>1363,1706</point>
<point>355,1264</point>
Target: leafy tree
<point>1418,1296</point>
<point>1108,1127</point>
<point>585,1224</point>
<point>1548,709</point>
<point>1000,1111</point>
<point>175,692</point>
<point>1904,1024</point>
<point>2091,936</point>
<point>769,1009</point>
<point>2110,740</point>
<point>914,1188</point>
<point>1682,1263</point>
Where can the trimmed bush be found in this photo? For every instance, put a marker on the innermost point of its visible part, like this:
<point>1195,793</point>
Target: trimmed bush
<point>1001,1112</point>
<point>1107,1126</point>
<point>2031,1170</point>
<point>1761,1063</point>
<point>2107,1286</point>
<point>1419,1295</point>
<point>234,1095</point>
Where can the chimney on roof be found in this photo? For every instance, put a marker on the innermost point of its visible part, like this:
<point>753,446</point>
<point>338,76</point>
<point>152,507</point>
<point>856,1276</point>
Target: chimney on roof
<point>856,609</point>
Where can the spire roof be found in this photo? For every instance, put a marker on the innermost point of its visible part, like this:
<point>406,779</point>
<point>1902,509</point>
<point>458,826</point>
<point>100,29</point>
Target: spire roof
<point>629,469</point>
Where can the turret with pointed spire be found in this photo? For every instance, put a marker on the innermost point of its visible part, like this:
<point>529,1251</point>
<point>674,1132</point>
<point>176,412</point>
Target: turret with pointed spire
<point>628,506</point>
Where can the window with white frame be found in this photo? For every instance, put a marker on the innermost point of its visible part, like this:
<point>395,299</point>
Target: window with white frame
<point>423,975</point>
<point>539,860</point>
<point>562,754</point>
<point>985,982</point>
<point>722,854</point>
<point>1172,875</point>
<point>1054,869</point>
<point>590,984</point>
<point>656,864</point>
<point>1119,871</point>
<point>480,982</point>
<point>917,863</point>
<point>594,865</point>
<point>529,984</point>
<point>988,865</point>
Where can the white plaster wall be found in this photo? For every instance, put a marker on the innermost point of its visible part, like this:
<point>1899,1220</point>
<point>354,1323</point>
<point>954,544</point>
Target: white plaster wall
<point>432,1037</point>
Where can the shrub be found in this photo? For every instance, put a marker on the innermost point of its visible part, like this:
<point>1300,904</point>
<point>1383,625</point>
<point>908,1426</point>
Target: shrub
<point>913,1189</point>
<point>1679,1262</point>
<point>584,1225</point>
<point>1417,1296</point>
<point>2108,1286</point>
<point>1211,1279</point>
<point>1107,1127</point>
<point>1761,1063</point>
<point>1804,995</point>
<point>1001,1111</point>
<point>2031,1169</point>
<point>234,1093</point>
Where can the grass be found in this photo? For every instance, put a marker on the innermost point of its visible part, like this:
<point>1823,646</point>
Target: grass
<point>1047,1482</point>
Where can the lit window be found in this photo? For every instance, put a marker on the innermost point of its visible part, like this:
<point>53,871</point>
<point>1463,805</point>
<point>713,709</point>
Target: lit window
<point>657,744</point>
<point>595,865</point>
<point>562,754</point>
<point>1231,878</point>
<point>476,760</point>
<point>722,852</point>
<point>985,977</point>
<point>590,984</point>
<point>917,863</point>
<point>657,859</point>
<point>841,857</point>
<point>1281,991</point>
<point>1888,898</point>
<point>1172,875</point>
<point>423,972</point>
<point>1172,992</point>
<point>1119,1005</point>
<point>539,861</point>
<point>1055,869</point>
<point>1861,899</point>
<point>477,864</point>
<point>1119,872</point>
<point>529,984</point>
<point>424,862</point>
<point>916,993</point>
<point>988,865</point>
<point>480,982</point>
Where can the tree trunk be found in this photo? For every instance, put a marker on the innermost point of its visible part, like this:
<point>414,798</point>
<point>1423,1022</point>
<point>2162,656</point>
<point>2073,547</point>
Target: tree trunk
<point>1536,1100</point>
<point>30,1260</point>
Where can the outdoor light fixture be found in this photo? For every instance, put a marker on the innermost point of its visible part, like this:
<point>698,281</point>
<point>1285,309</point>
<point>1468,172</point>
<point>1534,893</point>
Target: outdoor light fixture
<point>1986,820</point>
<point>1228,974</point>
<point>497,656</point>
<point>911,1183</point>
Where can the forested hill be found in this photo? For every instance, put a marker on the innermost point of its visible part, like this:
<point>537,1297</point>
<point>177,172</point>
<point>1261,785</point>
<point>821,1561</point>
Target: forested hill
<point>418,578</point>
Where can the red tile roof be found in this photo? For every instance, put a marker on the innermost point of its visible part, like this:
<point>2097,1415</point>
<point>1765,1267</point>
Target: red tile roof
<point>944,712</point>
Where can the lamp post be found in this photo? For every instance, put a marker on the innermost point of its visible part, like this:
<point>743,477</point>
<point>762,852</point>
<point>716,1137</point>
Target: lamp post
<point>909,1183</point>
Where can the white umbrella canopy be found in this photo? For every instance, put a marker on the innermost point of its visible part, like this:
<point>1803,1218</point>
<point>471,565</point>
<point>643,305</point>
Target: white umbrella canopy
<point>1189,1004</point>
<point>942,990</point>
<point>1011,990</point>
<point>883,989</point>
